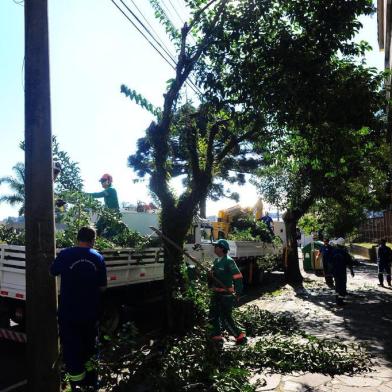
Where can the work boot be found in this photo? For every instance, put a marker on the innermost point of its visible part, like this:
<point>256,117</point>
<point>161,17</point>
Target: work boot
<point>339,301</point>
<point>241,339</point>
<point>218,341</point>
<point>381,280</point>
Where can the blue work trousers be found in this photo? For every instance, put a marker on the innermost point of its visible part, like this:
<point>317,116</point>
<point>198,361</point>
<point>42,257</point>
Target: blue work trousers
<point>78,341</point>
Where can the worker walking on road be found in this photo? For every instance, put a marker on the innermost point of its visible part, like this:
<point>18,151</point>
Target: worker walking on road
<point>325,252</point>
<point>384,259</point>
<point>341,260</point>
<point>83,278</point>
<point>223,299</point>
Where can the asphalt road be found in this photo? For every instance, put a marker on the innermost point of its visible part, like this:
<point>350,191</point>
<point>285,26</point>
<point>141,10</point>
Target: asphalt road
<point>12,365</point>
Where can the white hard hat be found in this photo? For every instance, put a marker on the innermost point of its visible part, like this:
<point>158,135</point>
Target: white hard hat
<point>340,241</point>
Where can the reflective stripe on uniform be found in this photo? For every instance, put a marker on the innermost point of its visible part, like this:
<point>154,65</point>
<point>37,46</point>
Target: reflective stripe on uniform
<point>76,377</point>
<point>237,276</point>
<point>222,290</point>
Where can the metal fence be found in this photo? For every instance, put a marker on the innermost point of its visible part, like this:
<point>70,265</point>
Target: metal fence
<point>376,228</point>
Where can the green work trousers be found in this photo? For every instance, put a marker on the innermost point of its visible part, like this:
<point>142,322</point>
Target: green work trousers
<point>221,317</point>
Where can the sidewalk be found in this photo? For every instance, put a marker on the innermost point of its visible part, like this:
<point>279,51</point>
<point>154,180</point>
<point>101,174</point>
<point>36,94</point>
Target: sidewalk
<point>366,319</point>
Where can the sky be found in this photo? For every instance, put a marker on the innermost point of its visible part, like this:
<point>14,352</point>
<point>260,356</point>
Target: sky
<point>93,51</point>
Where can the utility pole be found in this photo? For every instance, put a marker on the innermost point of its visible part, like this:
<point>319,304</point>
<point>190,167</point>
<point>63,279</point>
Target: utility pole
<point>41,296</point>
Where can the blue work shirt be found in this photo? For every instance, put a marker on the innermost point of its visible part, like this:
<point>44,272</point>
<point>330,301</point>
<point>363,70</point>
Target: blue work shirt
<point>326,251</point>
<point>384,254</point>
<point>83,273</point>
<point>267,220</point>
<point>341,260</point>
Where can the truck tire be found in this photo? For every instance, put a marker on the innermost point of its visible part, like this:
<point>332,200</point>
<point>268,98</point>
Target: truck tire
<point>110,318</point>
<point>258,277</point>
<point>5,319</point>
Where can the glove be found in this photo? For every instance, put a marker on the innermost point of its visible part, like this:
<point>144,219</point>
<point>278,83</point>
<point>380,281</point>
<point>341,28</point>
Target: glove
<point>60,203</point>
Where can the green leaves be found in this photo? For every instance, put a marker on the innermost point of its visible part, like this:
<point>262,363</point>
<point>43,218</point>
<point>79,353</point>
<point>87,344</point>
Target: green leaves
<point>161,15</point>
<point>192,363</point>
<point>140,100</point>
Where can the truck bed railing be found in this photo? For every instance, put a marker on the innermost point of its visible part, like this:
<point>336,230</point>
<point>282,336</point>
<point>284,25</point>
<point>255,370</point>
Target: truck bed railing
<point>124,267</point>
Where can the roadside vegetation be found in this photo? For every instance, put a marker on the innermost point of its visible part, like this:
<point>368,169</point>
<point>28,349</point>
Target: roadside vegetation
<point>192,363</point>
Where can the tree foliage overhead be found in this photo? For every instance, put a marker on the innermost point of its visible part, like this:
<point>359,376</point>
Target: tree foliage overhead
<point>284,78</point>
<point>68,180</point>
<point>17,187</point>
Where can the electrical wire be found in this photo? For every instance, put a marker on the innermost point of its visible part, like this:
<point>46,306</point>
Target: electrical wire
<point>148,32</point>
<point>177,13</point>
<point>168,13</point>
<point>189,82</point>
<point>149,25</point>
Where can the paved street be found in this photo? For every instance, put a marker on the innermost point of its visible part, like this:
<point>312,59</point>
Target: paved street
<point>365,319</point>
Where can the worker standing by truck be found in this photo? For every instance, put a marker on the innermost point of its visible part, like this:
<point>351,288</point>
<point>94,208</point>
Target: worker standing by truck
<point>109,195</point>
<point>269,223</point>
<point>83,277</point>
<point>223,299</point>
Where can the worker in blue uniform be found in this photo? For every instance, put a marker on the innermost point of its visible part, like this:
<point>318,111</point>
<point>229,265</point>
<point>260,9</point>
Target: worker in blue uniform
<point>269,223</point>
<point>341,261</point>
<point>325,252</point>
<point>384,259</point>
<point>83,278</point>
<point>224,294</point>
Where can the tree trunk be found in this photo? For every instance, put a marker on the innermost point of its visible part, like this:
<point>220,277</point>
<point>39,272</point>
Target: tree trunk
<point>175,227</point>
<point>203,208</point>
<point>292,271</point>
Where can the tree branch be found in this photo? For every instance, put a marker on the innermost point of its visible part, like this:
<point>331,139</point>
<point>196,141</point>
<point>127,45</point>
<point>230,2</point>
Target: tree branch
<point>233,142</point>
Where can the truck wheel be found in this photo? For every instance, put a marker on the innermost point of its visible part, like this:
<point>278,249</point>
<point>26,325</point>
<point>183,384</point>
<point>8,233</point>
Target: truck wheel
<point>258,277</point>
<point>110,319</point>
<point>5,320</point>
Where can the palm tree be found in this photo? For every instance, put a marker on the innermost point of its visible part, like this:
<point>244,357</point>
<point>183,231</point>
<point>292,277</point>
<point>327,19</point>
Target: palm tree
<point>17,185</point>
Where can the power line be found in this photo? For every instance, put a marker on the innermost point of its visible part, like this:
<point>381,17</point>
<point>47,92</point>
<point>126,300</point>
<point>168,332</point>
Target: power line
<point>190,83</point>
<point>141,32</point>
<point>148,31</point>
<point>175,10</point>
<point>149,24</point>
<point>167,12</point>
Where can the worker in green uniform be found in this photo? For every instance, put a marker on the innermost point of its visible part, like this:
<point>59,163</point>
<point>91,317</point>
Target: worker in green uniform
<point>223,297</point>
<point>109,196</point>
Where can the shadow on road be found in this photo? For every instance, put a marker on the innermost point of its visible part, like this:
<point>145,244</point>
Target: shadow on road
<point>366,315</point>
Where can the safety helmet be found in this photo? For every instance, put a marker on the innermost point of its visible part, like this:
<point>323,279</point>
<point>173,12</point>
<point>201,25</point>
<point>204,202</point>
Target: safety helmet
<point>56,166</point>
<point>222,244</point>
<point>340,241</point>
<point>106,177</point>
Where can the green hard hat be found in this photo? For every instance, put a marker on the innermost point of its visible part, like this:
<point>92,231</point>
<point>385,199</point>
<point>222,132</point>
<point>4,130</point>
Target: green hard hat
<point>222,244</point>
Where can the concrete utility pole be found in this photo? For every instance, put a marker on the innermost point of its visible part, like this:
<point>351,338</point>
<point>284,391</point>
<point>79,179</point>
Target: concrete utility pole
<point>42,340</point>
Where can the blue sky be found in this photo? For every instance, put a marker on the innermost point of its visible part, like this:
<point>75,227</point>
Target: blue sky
<point>93,50</point>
